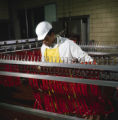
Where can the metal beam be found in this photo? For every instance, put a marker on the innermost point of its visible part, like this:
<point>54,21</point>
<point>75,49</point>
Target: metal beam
<point>64,65</point>
<point>58,78</point>
<point>36,112</point>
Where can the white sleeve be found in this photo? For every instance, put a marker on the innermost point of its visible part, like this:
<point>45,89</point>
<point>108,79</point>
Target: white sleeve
<point>78,53</point>
<point>42,53</point>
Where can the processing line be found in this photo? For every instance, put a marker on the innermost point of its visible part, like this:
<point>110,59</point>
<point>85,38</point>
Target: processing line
<point>20,61</point>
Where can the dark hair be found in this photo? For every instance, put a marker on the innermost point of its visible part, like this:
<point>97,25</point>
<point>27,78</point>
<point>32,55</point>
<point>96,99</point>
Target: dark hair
<point>50,32</point>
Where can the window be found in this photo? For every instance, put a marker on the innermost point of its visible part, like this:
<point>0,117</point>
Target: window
<point>50,12</point>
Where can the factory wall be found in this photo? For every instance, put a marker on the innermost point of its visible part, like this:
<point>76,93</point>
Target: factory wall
<point>103,15</point>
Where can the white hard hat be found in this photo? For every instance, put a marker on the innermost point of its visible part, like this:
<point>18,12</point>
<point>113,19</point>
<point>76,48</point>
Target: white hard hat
<point>42,29</point>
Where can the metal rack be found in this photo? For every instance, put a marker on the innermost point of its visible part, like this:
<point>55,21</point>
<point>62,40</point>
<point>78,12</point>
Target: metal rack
<point>19,45</point>
<point>28,44</point>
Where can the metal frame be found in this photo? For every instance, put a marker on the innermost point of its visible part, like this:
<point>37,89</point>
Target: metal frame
<point>58,78</point>
<point>65,65</point>
<point>39,113</point>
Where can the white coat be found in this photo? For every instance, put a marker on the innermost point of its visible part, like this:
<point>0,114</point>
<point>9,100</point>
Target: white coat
<point>68,50</point>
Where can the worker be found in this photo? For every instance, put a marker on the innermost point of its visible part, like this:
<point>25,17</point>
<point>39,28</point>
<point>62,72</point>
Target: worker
<point>59,49</point>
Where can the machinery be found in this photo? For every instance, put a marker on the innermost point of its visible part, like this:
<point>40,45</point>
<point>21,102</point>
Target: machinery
<point>54,87</point>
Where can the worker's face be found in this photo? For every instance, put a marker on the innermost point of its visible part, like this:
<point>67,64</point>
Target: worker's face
<point>49,39</point>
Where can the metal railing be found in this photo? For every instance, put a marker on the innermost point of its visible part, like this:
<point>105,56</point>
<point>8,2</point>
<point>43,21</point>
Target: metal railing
<point>39,113</point>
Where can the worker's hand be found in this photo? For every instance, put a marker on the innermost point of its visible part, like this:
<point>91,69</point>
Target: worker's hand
<point>75,60</point>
